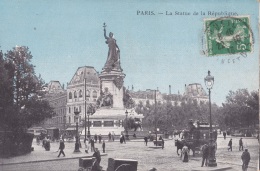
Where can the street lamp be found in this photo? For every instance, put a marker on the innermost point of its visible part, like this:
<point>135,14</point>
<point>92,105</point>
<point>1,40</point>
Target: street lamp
<point>76,112</point>
<point>126,131</point>
<point>209,81</point>
<point>91,111</point>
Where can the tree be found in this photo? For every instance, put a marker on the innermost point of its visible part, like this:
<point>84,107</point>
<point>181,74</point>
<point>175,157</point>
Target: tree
<point>241,108</point>
<point>22,107</point>
<point>169,116</point>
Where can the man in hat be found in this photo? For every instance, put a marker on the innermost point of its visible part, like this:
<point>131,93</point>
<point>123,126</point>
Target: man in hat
<point>97,155</point>
<point>205,155</point>
<point>61,148</point>
<point>245,158</point>
<point>230,145</point>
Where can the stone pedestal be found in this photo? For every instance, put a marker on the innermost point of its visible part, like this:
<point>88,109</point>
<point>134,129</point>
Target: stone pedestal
<point>113,83</point>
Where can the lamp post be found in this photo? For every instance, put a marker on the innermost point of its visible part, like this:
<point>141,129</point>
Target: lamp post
<point>91,111</point>
<point>209,81</point>
<point>126,127</point>
<point>77,132</point>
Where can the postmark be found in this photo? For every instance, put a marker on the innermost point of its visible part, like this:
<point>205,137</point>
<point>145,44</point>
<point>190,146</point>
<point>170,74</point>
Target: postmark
<point>228,36</point>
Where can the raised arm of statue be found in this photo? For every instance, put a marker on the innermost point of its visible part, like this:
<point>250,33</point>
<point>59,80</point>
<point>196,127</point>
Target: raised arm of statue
<point>105,35</point>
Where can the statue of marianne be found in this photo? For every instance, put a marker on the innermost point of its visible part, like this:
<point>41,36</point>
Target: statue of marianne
<point>113,56</point>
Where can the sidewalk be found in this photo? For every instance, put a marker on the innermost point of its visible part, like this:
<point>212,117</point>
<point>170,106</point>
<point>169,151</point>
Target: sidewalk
<point>40,155</point>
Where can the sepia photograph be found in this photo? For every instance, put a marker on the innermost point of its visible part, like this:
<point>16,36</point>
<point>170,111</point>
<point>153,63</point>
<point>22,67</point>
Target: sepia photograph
<point>152,85</point>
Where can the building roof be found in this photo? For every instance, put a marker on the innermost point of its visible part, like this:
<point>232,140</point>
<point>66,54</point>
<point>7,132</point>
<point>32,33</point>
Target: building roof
<point>195,89</point>
<point>54,87</point>
<point>86,72</point>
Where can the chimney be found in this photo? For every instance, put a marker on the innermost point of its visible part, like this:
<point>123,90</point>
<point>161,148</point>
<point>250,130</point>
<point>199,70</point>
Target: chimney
<point>169,89</point>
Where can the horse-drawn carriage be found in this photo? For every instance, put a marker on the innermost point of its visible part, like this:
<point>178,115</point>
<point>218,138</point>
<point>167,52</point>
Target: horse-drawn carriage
<point>195,137</point>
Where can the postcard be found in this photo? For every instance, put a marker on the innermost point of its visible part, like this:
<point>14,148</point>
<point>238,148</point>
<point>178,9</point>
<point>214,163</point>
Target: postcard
<point>129,85</point>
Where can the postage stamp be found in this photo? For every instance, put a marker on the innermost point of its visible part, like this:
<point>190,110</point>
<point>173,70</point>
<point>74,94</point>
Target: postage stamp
<point>228,35</point>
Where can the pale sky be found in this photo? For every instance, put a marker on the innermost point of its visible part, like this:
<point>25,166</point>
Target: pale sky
<point>156,50</point>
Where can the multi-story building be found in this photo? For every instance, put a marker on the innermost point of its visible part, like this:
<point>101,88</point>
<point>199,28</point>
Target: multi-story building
<point>57,98</point>
<point>84,85</point>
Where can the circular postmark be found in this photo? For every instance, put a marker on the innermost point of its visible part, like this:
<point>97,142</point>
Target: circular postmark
<point>228,36</point>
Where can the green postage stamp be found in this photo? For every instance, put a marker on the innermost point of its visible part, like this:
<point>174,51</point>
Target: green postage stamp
<point>228,35</point>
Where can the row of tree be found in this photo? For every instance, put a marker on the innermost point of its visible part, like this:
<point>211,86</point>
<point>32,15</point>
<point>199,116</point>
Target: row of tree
<point>240,110</point>
<point>21,105</point>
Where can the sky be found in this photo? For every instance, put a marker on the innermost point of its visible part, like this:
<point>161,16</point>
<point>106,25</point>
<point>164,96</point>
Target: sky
<point>156,50</point>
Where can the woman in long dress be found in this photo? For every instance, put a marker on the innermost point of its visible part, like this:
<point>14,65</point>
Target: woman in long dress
<point>113,52</point>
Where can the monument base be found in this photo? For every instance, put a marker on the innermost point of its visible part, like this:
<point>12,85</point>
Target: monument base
<point>106,120</point>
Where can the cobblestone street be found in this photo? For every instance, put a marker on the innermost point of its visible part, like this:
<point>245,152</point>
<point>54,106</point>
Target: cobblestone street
<point>162,159</point>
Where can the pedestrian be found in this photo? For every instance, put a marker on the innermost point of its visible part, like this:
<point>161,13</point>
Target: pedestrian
<point>205,155</point>
<point>241,145</point>
<point>246,159</point>
<point>230,145</point>
<point>61,148</point>
<point>224,134</point>
<point>96,163</point>
<point>185,154</point>
<point>47,144</point>
<point>123,137</point>
<point>86,145</point>
<point>162,143</point>
<point>104,146</point>
<point>44,142</point>
<point>95,137</point>
<point>92,143</point>
<point>134,135</point>
<point>145,140</point>
<point>109,136</point>
<point>99,138</point>
<point>97,155</point>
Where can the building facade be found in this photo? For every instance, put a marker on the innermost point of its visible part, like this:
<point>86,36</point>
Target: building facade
<point>57,98</point>
<point>84,85</point>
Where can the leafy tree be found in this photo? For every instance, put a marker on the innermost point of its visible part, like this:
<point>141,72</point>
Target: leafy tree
<point>22,107</point>
<point>169,116</point>
<point>241,108</point>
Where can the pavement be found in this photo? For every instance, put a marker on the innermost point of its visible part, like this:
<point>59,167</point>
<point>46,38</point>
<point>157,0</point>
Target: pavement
<point>41,155</point>
<point>162,159</point>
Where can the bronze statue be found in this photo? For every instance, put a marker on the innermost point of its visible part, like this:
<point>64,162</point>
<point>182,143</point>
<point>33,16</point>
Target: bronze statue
<point>113,57</point>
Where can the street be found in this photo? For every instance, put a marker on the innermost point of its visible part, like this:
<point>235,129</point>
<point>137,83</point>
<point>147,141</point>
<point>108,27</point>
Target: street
<point>161,159</point>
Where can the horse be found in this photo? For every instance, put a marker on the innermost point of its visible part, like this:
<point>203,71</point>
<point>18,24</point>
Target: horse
<point>179,144</point>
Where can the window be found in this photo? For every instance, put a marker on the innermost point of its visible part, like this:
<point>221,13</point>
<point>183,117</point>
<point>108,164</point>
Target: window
<point>70,95</point>
<point>80,93</point>
<point>75,94</point>
<point>87,93</point>
<point>97,123</point>
<point>94,94</point>
<point>69,110</point>
<point>79,108</point>
<point>108,123</point>
<point>69,119</point>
